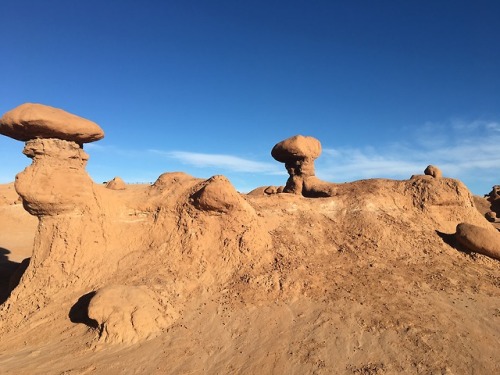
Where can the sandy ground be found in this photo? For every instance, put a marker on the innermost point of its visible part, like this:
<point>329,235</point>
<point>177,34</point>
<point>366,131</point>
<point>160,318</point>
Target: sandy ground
<point>362,283</point>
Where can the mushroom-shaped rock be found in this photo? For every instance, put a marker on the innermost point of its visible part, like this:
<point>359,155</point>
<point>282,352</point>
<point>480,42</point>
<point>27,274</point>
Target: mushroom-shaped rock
<point>296,148</point>
<point>116,184</point>
<point>298,154</point>
<point>433,171</point>
<point>494,194</point>
<point>494,199</point>
<point>480,240</point>
<point>127,314</point>
<point>31,121</point>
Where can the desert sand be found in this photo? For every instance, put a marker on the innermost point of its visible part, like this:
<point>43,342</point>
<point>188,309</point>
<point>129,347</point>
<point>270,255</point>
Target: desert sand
<point>189,276</point>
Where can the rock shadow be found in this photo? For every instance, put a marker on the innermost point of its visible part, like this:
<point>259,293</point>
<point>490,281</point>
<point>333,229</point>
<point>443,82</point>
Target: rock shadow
<point>449,239</point>
<point>7,269</point>
<point>79,312</point>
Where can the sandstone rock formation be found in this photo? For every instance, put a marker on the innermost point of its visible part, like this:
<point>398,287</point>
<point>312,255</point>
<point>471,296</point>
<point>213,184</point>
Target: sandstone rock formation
<point>31,121</point>
<point>218,195</point>
<point>298,153</point>
<point>491,216</point>
<point>232,283</point>
<point>127,314</point>
<point>494,199</point>
<point>433,171</point>
<point>56,182</point>
<point>116,184</point>
<point>480,240</point>
<point>57,189</point>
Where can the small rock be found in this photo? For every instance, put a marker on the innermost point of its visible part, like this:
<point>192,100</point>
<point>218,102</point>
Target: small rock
<point>116,184</point>
<point>433,171</point>
<point>491,216</point>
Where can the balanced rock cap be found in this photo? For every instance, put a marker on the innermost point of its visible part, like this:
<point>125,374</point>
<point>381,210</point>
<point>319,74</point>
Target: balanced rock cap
<point>295,148</point>
<point>31,121</point>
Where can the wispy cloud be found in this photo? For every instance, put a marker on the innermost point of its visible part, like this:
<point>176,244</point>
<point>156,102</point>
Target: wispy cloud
<point>222,161</point>
<point>459,149</point>
<point>469,151</point>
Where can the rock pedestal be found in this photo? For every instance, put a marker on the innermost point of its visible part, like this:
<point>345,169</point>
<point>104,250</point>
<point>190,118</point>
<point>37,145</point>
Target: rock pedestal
<point>56,182</point>
<point>298,153</point>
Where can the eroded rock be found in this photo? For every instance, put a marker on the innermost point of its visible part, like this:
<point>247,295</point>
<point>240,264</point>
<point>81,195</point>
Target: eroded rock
<point>219,195</point>
<point>298,153</point>
<point>116,184</point>
<point>128,314</point>
<point>56,182</point>
<point>433,171</point>
<point>30,121</point>
<point>480,240</point>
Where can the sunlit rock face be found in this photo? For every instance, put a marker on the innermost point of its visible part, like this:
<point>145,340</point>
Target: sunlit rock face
<point>30,120</point>
<point>56,182</point>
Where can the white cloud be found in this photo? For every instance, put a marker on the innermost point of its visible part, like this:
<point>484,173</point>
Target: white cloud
<point>222,161</point>
<point>459,149</point>
<point>469,151</point>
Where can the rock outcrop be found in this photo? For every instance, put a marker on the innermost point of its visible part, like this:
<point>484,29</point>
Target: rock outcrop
<point>116,184</point>
<point>57,189</point>
<point>433,171</point>
<point>298,153</point>
<point>494,199</point>
<point>218,195</point>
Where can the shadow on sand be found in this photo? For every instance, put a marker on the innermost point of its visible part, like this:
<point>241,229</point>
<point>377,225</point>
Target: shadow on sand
<point>79,311</point>
<point>450,240</point>
<point>10,273</point>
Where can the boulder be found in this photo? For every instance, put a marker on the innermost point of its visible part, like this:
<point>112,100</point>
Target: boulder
<point>127,314</point>
<point>217,194</point>
<point>31,121</point>
<point>433,171</point>
<point>480,240</point>
<point>296,148</point>
<point>116,184</point>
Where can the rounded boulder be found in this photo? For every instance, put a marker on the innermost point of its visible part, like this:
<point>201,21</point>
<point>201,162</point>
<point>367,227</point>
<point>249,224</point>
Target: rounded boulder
<point>30,121</point>
<point>296,148</point>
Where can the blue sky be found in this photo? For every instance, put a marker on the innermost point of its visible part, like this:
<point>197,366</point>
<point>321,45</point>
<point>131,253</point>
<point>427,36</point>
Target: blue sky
<point>208,87</point>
